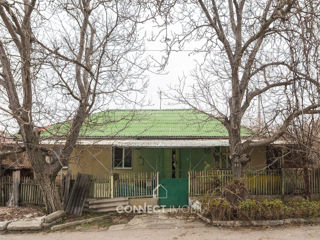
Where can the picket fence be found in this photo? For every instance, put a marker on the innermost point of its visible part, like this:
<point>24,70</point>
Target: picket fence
<point>291,181</point>
<point>140,184</point>
<point>134,185</point>
<point>137,185</point>
<point>29,191</point>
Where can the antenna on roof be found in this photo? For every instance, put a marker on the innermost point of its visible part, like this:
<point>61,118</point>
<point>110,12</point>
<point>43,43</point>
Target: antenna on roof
<point>160,96</point>
<point>259,112</point>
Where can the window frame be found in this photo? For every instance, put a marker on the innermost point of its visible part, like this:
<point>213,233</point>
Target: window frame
<point>122,158</point>
<point>223,151</point>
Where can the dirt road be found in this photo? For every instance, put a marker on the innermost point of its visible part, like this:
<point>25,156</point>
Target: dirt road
<point>163,226</point>
<point>285,233</point>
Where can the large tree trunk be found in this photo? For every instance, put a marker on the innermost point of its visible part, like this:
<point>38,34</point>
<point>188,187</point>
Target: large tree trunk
<point>238,152</point>
<point>236,167</point>
<point>235,141</point>
<point>50,194</point>
<point>235,159</point>
<point>45,174</point>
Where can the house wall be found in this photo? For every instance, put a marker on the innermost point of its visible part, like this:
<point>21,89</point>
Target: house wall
<point>93,160</point>
<point>258,158</point>
<point>196,159</point>
<point>97,160</point>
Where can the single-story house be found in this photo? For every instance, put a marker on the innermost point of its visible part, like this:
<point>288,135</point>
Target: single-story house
<point>171,143</point>
<point>168,156</point>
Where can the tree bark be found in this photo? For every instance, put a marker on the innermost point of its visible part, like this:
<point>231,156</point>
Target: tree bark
<point>234,130</point>
<point>234,141</point>
<point>45,174</point>
<point>50,195</point>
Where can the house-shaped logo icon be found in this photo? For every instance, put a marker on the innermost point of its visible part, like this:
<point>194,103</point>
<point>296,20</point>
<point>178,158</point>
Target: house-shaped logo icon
<point>157,189</point>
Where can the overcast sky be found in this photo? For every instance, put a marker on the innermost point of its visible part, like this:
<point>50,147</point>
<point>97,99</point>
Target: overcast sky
<point>180,64</point>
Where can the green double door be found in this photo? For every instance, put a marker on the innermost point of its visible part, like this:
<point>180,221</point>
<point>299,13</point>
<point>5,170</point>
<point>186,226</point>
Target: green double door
<point>173,189</point>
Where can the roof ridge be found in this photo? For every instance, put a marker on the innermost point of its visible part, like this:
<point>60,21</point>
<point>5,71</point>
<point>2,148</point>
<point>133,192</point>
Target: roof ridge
<point>132,110</point>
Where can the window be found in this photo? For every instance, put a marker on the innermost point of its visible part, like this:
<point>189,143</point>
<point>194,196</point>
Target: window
<point>122,158</point>
<point>274,155</point>
<point>221,158</point>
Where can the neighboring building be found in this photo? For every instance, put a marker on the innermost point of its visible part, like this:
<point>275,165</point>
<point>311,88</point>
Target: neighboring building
<point>10,160</point>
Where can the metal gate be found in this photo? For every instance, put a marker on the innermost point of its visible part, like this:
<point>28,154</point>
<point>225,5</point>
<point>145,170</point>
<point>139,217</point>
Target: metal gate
<point>173,192</point>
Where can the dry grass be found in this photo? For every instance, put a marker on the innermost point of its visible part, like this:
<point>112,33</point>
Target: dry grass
<point>13,213</point>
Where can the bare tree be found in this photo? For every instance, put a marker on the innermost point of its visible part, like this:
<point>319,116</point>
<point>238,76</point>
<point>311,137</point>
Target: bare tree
<point>247,54</point>
<point>304,131</point>
<point>63,67</point>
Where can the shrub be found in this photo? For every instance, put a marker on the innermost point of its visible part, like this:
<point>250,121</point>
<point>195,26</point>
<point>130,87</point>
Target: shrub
<point>221,209</point>
<point>218,209</point>
<point>274,209</point>
<point>303,208</point>
<point>250,209</point>
<point>235,192</point>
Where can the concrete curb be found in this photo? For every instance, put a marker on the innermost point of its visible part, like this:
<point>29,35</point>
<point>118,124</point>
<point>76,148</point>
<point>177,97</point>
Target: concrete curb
<point>4,225</point>
<point>26,225</point>
<point>34,224</point>
<point>52,217</point>
<point>258,223</point>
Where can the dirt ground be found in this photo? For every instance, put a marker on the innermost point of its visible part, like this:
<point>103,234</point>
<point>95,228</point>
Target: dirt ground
<point>203,233</point>
<point>12,213</point>
<point>167,226</point>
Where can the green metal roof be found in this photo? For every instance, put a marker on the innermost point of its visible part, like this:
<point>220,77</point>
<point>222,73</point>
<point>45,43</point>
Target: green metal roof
<point>149,124</point>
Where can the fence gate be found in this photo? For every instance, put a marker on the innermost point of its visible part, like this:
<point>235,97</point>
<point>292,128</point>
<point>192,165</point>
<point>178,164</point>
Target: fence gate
<point>173,192</point>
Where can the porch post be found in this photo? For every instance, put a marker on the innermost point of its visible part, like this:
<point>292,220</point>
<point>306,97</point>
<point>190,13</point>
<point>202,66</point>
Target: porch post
<point>111,186</point>
<point>282,182</point>
<point>157,185</point>
<point>282,173</point>
<point>189,183</point>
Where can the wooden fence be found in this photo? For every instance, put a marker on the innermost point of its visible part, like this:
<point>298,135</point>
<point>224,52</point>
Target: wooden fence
<point>117,185</point>
<point>207,182</point>
<point>5,188</point>
<point>296,181</point>
<point>135,185</point>
<point>267,182</point>
<point>101,187</point>
<point>29,191</point>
